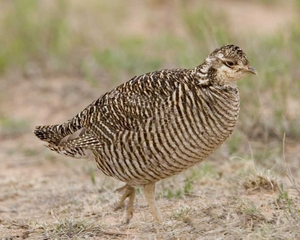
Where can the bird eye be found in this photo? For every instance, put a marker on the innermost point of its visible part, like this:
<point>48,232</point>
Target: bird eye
<point>229,63</point>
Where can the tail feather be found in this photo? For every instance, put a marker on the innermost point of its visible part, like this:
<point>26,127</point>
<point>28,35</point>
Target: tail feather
<point>54,134</point>
<point>70,138</point>
<point>75,145</point>
<point>75,152</point>
<point>50,133</point>
<point>80,139</point>
<point>79,144</point>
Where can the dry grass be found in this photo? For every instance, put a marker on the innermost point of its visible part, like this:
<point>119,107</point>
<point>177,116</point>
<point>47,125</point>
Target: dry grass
<point>248,189</point>
<point>64,203</point>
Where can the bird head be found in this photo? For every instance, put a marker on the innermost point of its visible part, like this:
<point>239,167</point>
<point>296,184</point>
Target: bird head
<point>228,64</point>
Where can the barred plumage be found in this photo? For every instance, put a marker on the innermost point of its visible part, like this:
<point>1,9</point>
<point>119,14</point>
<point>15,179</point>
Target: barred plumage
<point>158,124</point>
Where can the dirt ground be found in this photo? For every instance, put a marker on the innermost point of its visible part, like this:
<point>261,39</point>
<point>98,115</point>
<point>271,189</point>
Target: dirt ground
<point>47,196</point>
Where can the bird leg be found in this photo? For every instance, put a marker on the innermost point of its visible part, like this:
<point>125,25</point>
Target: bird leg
<point>129,193</point>
<point>149,192</point>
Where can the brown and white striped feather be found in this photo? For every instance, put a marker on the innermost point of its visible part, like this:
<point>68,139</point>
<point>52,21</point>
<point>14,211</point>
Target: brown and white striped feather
<point>151,127</point>
<point>147,138</point>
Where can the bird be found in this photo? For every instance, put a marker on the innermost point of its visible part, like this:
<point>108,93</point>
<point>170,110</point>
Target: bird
<point>156,125</point>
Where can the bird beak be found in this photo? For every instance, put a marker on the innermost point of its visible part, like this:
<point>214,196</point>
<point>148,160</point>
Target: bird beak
<point>252,70</point>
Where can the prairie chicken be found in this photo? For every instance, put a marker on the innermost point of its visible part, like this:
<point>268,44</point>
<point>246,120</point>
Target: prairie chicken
<point>156,125</point>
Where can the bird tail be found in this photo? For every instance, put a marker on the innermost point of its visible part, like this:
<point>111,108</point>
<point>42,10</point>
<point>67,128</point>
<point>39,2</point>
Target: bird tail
<point>64,140</point>
<point>53,134</point>
<point>75,152</point>
<point>71,138</point>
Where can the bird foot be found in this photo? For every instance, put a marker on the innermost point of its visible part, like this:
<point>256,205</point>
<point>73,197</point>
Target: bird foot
<point>149,192</point>
<point>129,193</point>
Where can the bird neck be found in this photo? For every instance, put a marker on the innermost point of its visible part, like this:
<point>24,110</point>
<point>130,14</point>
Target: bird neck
<point>207,75</point>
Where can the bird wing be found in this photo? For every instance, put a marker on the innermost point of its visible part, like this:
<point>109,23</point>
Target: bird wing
<point>130,105</point>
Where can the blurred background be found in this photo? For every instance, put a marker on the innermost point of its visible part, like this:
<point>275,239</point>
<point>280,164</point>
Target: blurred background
<point>56,56</point>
